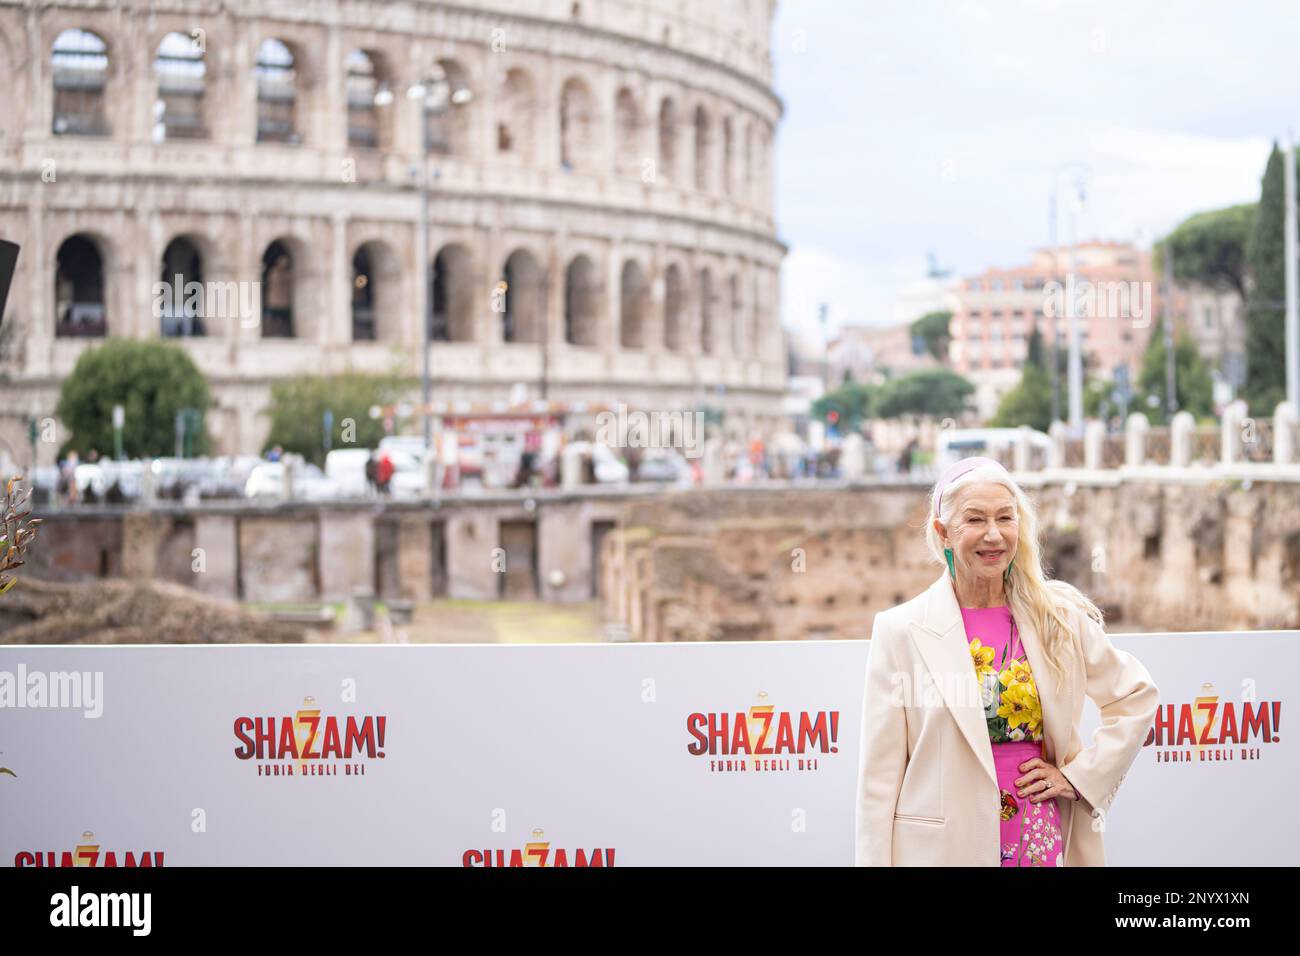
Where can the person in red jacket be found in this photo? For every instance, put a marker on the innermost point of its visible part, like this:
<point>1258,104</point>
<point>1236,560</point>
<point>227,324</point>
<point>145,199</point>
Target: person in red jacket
<point>384,472</point>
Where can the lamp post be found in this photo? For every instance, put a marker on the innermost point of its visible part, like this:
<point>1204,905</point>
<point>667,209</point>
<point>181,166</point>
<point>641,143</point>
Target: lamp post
<point>435,97</point>
<point>119,420</point>
<point>1075,368</point>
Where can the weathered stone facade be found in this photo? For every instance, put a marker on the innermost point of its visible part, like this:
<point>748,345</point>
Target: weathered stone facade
<point>728,564</point>
<point>820,563</point>
<point>612,160</point>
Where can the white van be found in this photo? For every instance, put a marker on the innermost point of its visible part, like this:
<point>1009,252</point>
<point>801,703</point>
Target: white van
<point>346,467</point>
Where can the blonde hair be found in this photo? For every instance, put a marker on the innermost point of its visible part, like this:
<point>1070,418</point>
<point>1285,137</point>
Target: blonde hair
<point>1031,595</point>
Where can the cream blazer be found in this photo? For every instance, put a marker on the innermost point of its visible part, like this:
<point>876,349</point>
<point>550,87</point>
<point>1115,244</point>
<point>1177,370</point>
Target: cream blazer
<point>927,790</point>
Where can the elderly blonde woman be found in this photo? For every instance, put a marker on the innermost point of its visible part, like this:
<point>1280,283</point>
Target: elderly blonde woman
<point>971,753</point>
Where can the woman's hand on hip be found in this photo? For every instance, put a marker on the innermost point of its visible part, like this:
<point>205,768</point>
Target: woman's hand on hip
<point>1042,781</point>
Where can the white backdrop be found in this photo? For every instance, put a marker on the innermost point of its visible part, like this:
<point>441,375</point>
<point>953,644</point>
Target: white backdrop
<point>483,746</point>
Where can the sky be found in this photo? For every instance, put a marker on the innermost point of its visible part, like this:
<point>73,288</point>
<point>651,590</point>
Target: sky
<point>917,126</point>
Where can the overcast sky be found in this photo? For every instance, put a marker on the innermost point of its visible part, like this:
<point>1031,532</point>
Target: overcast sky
<point>919,125</point>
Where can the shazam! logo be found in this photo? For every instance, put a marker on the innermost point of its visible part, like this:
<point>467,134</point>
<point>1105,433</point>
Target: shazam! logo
<point>1209,729</point>
<point>88,852</point>
<point>763,738</point>
<point>537,852</point>
<point>310,744</point>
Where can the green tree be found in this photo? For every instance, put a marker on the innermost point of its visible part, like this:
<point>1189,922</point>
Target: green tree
<point>1193,387</point>
<point>852,403</point>
<point>1030,402</point>
<point>935,392</point>
<point>151,380</point>
<point>933,327</point>
<point>1210,248</point>
<point>1265,384</point>
<point>298,407</point>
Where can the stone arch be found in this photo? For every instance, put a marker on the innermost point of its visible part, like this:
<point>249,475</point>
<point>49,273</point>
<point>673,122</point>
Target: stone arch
<point>627,134</point>
<point>288,284</point>
<point>747,164</point>
<point>447,100</point>
<point>376,293</point>
<point>582,302</point>
<point>758,310</point>
<point>634,306</point>
<point>703,148</point>
<point>452,294</point>
<point>674,308</point>
<point>523,285</point>
<point>579,126</point>
<point>180,69</point>
<point>728,155</point>
<point>80,299</point>
<point>735,317</point>
<point>11,105</point>
<point>668,123</point>
<point>516,125</point>
<point>370,96</point>
<point>708,312</point>
<point>184,261</point>
<point>277,70</point>
<point>79,70</point>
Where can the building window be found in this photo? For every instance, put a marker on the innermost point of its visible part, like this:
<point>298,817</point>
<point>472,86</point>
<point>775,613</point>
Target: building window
<point>79,63</point>
<point>181,73</point>
<point>277,94</point>
<point>79,289</point>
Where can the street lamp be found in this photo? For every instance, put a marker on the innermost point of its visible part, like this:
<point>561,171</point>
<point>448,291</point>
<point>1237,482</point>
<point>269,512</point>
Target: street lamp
<point>1075,371</point>
<point>435,98</point>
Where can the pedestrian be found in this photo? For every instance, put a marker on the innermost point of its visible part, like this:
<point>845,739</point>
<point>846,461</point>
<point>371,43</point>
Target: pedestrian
<point>372,474</point>
<point>384,472</point>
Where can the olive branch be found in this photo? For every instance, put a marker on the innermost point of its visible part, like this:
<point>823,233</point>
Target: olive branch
<point>17,529</point>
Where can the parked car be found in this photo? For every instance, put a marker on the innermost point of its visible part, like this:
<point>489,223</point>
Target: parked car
<point>309,482</point>
<point>665,465</point>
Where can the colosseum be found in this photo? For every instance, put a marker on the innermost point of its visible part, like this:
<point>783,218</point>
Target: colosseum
<point>589,184</point>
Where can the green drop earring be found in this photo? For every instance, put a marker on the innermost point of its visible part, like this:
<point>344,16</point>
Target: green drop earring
<point>1006,575</point>
<point>947,553</point>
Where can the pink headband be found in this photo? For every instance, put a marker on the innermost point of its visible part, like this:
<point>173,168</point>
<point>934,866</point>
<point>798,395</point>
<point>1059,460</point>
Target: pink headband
<point>955,471</point>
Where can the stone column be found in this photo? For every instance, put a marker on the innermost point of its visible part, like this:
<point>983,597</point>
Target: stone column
<point>346,558</point>
<point>216,536</point>
<point>415,557</point>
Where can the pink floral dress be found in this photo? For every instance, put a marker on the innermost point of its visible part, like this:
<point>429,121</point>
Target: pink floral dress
<point>1030,832</point>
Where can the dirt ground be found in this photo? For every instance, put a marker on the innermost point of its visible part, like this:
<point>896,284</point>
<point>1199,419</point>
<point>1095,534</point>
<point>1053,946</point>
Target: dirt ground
<point>128,612</point>
<point>485,622</point>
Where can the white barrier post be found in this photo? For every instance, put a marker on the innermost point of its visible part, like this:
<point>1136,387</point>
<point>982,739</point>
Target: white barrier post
<point>1056,454</point>
<point>1094,437</point>
<point>1230,444</point>
<point>1284,423</point>
<point>1135,439</point>
<point>1180,439</point>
